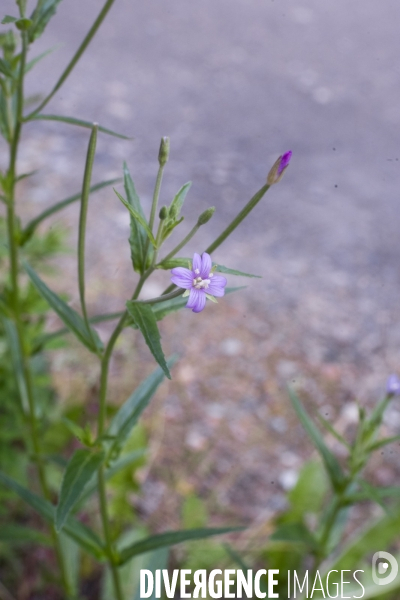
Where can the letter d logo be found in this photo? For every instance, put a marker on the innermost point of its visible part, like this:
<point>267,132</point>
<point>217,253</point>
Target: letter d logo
<point>383,567</point>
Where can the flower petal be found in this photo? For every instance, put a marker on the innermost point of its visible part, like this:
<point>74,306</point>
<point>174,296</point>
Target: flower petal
<point>197,300</point>
<point>182,277</point>
<point>216,286</point>
<point>206,265</point>
<point>285,160</point>
<point>196,263</point>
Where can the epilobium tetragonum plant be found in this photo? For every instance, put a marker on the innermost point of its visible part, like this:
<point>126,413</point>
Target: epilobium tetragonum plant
<point>101,455</point>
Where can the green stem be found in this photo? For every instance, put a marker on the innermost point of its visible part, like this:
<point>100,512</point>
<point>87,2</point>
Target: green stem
<point>239,218</point>
<point>227,232</point>
<point>107,534</point>
<point>183,243</point>
<point>88,38</point>
<point>105,364</point>
<point>12,231</point>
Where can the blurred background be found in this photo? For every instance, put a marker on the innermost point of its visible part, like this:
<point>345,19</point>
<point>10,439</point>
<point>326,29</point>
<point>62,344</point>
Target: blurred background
<point>236,83</point>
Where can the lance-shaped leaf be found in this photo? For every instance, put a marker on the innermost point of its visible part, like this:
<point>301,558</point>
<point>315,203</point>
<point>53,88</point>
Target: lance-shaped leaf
<point>83,536</point>
<point>14,534</point>
<point>70,317</point>
<point>17,361</point>
<point>5,68</point>
<point>138,236</point>
<point>143,316</point>
<point>79,471</point>
<point>179,199</point>
<point>42,14</point>
<point>33,224</point>
<point>184,262</point>
<point>171,538</point>
<point>37,59</point>
<point>162,309</point>
<point>330,461</point>
<point>129,413</point>
<point>121,463</point>
<point>4,124</point>
<point>8,19</point>
<point>78,122</point>
<point>296,533</point>
<point>139,218</point>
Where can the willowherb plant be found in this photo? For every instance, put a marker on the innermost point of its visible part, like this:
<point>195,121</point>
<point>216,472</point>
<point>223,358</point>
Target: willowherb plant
<point>102,455</point>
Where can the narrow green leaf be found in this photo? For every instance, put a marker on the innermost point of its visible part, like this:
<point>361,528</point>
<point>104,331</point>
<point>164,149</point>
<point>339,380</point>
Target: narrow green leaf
<point>70,317</point>
<point>47,338</point>
<point>295,533</point>
<point>179,199</point>
<point>80,469</point>
<point>4,122</point>
<point>31,226</point>
<point>222,269</point>
<point>162,309</point>
<point>29,65</point>
<point>383,442</point>
<point>5,68</point>
<point>330,461</point>
<point>41,16</point>
<point>129,413</point>
<point>144,318</point>
<point>84,536</point>
<point>18,534</point>
<point>25,175</point>
<point>124,461</point>
<point>9,19</point>
<point>236,557</point>
<point>373,495</point>
<point>184,262</point>
<point>41,506</point>
<point>333,431</point>
<point>136,215</point>
<point>17,361</point>
<point>381,492</point>
<point>171,538</point>
<point>78,122</point>
<point>137,238</point>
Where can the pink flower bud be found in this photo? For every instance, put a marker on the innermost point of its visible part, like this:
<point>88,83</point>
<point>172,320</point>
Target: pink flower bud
<point>278,168</point>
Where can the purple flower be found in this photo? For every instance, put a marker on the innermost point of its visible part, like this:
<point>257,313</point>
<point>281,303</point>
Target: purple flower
<point>279,167</point>
<point>393,385</point>
<point>200,282</point>
<point>284,161</point>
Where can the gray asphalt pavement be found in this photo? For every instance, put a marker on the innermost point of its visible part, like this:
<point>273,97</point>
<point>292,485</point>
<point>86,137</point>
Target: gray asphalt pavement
<point>234,83</point>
